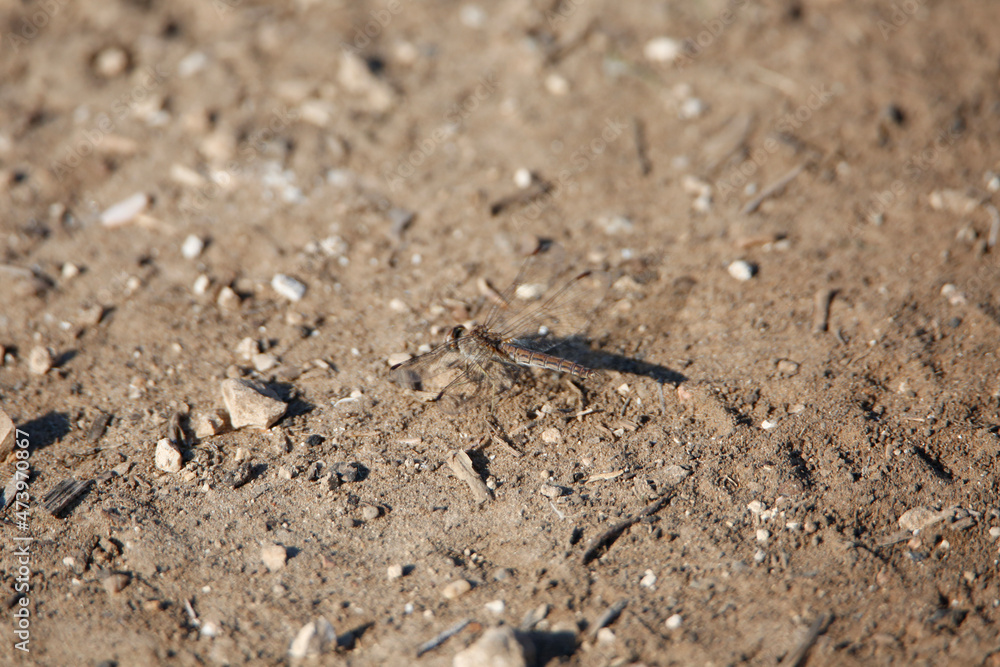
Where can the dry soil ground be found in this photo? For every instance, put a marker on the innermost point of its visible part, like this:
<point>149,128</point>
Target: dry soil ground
<point>369,151</point>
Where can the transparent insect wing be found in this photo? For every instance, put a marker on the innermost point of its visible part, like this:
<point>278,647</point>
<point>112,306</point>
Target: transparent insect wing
<point>546,301</point>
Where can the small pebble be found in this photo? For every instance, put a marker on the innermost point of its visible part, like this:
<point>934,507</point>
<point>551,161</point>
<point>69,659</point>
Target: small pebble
<point>246,348</point>
<point>556,84</point>
<point>264,362</point>
<point>760,556</point>
<point>498,647</point>
<point>394,571</point>
<point>274,556</point>
<point>787,367</point>
<point>115,583</point>
<point>314,639</point>
<point>649,580</point>
<point>70,270</point>
<point>606,636</point>
<point>768,424</point>
<point>39,360</point>
<point>110,62</point>
<point>209,424</point>
<point>201,285</point>
<point>370,512</point>
<point>522,178</point>
<point>495,606</point>
<point>288,287</point>
<point>662,50</point>
<point>551,490</point>
<point>456,589</point>
<point>742,270</point>
<point>756,507</point>
<point>954,295</point>
<point>995,532</point>
<point>397,358</point>
<point>192,247</point>
<point>763,535</point>
<point>228,299</point>
<point>167,458</point>
<point>251,403</point>
<point>552,436</point>
<point>125,211</point>
<point>674,622</point>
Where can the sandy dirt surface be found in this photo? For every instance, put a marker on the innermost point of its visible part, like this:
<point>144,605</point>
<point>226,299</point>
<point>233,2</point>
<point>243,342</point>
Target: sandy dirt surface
<point>790,458</point>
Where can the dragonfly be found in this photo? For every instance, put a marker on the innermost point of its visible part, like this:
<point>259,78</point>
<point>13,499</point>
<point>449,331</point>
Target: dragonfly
<point>539,311</point>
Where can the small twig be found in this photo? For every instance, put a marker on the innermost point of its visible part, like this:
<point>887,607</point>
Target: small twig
<point>821,310</point>
<point>62,496</point>
<point>639,135</point>
<point>772,189</point>
<point>498,434</point>
<point>562,517</point>
<point>798,657</point>
<point>597,546</point>
<point>522,198</point>
<point>994,235</point>
<point>609,616</point>
<point>663,401</point>
<point>432,644</point>
<point>461,465</point>
<point>195,621</point>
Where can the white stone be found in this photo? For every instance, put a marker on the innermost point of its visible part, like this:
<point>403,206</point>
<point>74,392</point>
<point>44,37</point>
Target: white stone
<point>247,348</point>
<point>456,589</point>
<point>192,247</point>
<point>314,639</point>
<point>288,287</point>
<point>674,622</point>
<point>662,50</point>
<point>498,647</point>
<point>251,404</point>
<point>39,360</point>
<point>522,178</point>
<point>742,270</point>
<point>167,458</point>
<point>125,211</point>
<point>763,535</point>
<point>394,571</point>
<point>274,556</point>
<point>649,580</point>
<point>201,285</point>
<point>495,606</point>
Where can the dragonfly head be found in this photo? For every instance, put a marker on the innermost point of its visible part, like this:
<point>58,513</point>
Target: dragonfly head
<point>457,332</point>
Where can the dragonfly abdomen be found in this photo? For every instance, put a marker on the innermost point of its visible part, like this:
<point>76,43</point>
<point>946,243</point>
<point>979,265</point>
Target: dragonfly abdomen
<point>527,357</point>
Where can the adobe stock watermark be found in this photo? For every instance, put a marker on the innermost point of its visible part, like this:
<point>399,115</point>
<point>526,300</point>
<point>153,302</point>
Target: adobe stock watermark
<point>396,174</point>
<point>730,186</point>
<point>372,28</point>
<point>579,161</point>
<point>106,123</point>
<point>900,14</point>
<point>913,168</point>
<point>33,24</point>
<point>246,152</point>
<point>695,46</point>
<point>21,553</point>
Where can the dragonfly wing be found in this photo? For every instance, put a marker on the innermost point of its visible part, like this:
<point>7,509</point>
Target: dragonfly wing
<point>453,380</point>
<point>563,311</point>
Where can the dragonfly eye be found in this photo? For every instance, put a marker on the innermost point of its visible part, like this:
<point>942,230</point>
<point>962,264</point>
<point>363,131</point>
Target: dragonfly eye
<point>457,332</point>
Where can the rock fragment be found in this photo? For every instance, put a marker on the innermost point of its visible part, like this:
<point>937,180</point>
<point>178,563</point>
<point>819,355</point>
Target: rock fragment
<point>498,647</point>
<point>455,589</point>
<point>274,556</point>
<point>167,457</point>
<point>251,403</point>
<point>125,211</point>
<point>39,360</point>
<point>314,639</point>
